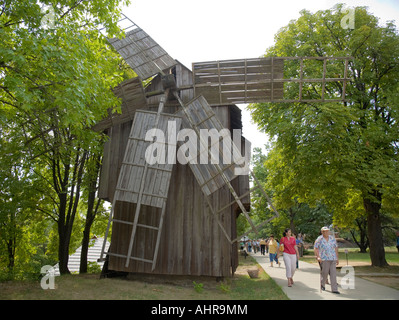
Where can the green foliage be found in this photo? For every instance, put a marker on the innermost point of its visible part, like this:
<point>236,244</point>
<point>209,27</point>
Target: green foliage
<point>93,267</point>
<point>55,83</point>
<point>301,217</point>
<point>224,287</point>
<point>344,155</point>
<point>332,151</point>
<point>198,287</point>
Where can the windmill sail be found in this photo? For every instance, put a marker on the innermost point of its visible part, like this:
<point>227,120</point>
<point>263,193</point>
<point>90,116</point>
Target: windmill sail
<point>157,179</point>
<point>262,79</point>
<point>208,163</point>
<point>198,115</point>
<point>142,53</point>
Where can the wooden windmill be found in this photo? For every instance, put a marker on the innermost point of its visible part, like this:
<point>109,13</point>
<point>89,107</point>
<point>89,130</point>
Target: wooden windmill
<point>145,193</point>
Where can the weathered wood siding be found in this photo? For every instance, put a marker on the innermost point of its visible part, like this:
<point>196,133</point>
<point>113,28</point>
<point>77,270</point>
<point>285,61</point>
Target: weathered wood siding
<point>192,243</point>
<point>131,92</point>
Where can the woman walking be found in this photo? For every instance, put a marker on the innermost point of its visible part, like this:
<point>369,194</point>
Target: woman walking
<point>326,251</point>
<point>290,254</point>
<point>273,247</point>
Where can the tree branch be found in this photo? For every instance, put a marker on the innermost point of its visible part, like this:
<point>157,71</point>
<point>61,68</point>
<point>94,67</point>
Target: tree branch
<point>71,8</point>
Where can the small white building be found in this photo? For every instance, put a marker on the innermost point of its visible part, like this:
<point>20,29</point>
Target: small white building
<point>93,255</point>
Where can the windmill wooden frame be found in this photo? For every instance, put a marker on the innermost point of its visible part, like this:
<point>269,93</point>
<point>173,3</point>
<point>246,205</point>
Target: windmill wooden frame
<point>214,83</point>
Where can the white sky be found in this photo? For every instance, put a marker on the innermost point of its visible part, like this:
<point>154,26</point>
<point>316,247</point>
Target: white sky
<point>206,30</point>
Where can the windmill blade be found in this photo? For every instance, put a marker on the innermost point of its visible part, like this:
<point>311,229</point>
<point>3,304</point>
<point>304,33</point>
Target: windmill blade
<point>209,163</point>
<point>238,81</point>
<point>262,79</point>
<point>133,97</point>
<point>198,115</point>
<point>132,173</point>
<point>141,52</point>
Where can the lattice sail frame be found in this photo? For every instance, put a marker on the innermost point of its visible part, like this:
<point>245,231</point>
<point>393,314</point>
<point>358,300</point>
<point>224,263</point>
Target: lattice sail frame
<point>262,79</point>
<point>146,57</point>
<point>212,176</point>
<point>156,183</point>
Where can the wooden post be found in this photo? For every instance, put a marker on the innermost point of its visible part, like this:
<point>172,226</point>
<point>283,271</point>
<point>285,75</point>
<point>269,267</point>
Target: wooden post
<point>301,81</point>
<point>323,88</point>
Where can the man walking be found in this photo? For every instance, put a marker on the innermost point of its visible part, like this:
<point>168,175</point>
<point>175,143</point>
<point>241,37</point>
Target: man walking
<point>326,251</point>
<point>262,246</point>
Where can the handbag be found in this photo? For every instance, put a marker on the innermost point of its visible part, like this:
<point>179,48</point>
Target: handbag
<point>281,249</point>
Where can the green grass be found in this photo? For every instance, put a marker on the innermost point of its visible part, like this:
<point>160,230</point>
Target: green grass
<point>391,255</point>
<point>83,287</point>
<point>361,261</point>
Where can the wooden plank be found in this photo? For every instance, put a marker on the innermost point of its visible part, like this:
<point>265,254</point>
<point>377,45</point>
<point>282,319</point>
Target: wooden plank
<point>132,170</point>
<point>131,92</point>
<point>259,80</point>
<point>142,53</point>
<point>208,175</point>
<point>236,80</point>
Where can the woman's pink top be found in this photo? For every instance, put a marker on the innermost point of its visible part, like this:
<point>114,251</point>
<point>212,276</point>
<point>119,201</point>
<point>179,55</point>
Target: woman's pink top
<point>289,244</point>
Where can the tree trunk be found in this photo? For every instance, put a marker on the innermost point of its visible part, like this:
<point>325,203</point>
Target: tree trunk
<point>63,240</point>
<point>292,214</point>
<point>85,249</point>
<point>363,244</point>
<point>11,254</point>
<point>63,248</point>
<point>68,208</point>
<point>91,214</point>
<point>377,252</point>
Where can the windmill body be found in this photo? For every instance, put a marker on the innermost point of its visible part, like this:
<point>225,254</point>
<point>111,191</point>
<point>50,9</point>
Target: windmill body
<point>192,243</point>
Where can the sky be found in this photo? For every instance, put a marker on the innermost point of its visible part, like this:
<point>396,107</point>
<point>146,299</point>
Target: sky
<point>207,30</point>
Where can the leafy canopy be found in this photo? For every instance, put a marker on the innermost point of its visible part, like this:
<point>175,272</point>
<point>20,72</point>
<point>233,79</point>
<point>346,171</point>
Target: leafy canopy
<point>332,151</point>
<point>56,76</point>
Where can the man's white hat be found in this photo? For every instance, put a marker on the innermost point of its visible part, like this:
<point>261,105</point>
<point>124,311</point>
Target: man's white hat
<point>325,229</point>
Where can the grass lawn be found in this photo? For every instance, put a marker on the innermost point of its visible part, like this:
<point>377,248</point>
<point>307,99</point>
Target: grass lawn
<point>362,265</point>
<point>362,261</point>
<point>83,287</point>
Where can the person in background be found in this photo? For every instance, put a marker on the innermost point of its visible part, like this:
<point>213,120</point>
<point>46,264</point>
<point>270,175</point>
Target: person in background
<point>256,245</point>
<point>299,243</point>
<point>326,251</point>
<point>262,243</point>
<point>273,248</point>
<point>397,240</point>
<point>319,262</point>
<point>290,254</point>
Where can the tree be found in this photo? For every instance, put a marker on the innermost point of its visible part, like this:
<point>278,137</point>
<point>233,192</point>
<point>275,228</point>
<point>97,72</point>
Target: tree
<point>93,204</point>
<point>55,81</point>
<point>299,216</point>
<point>330,150</point>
